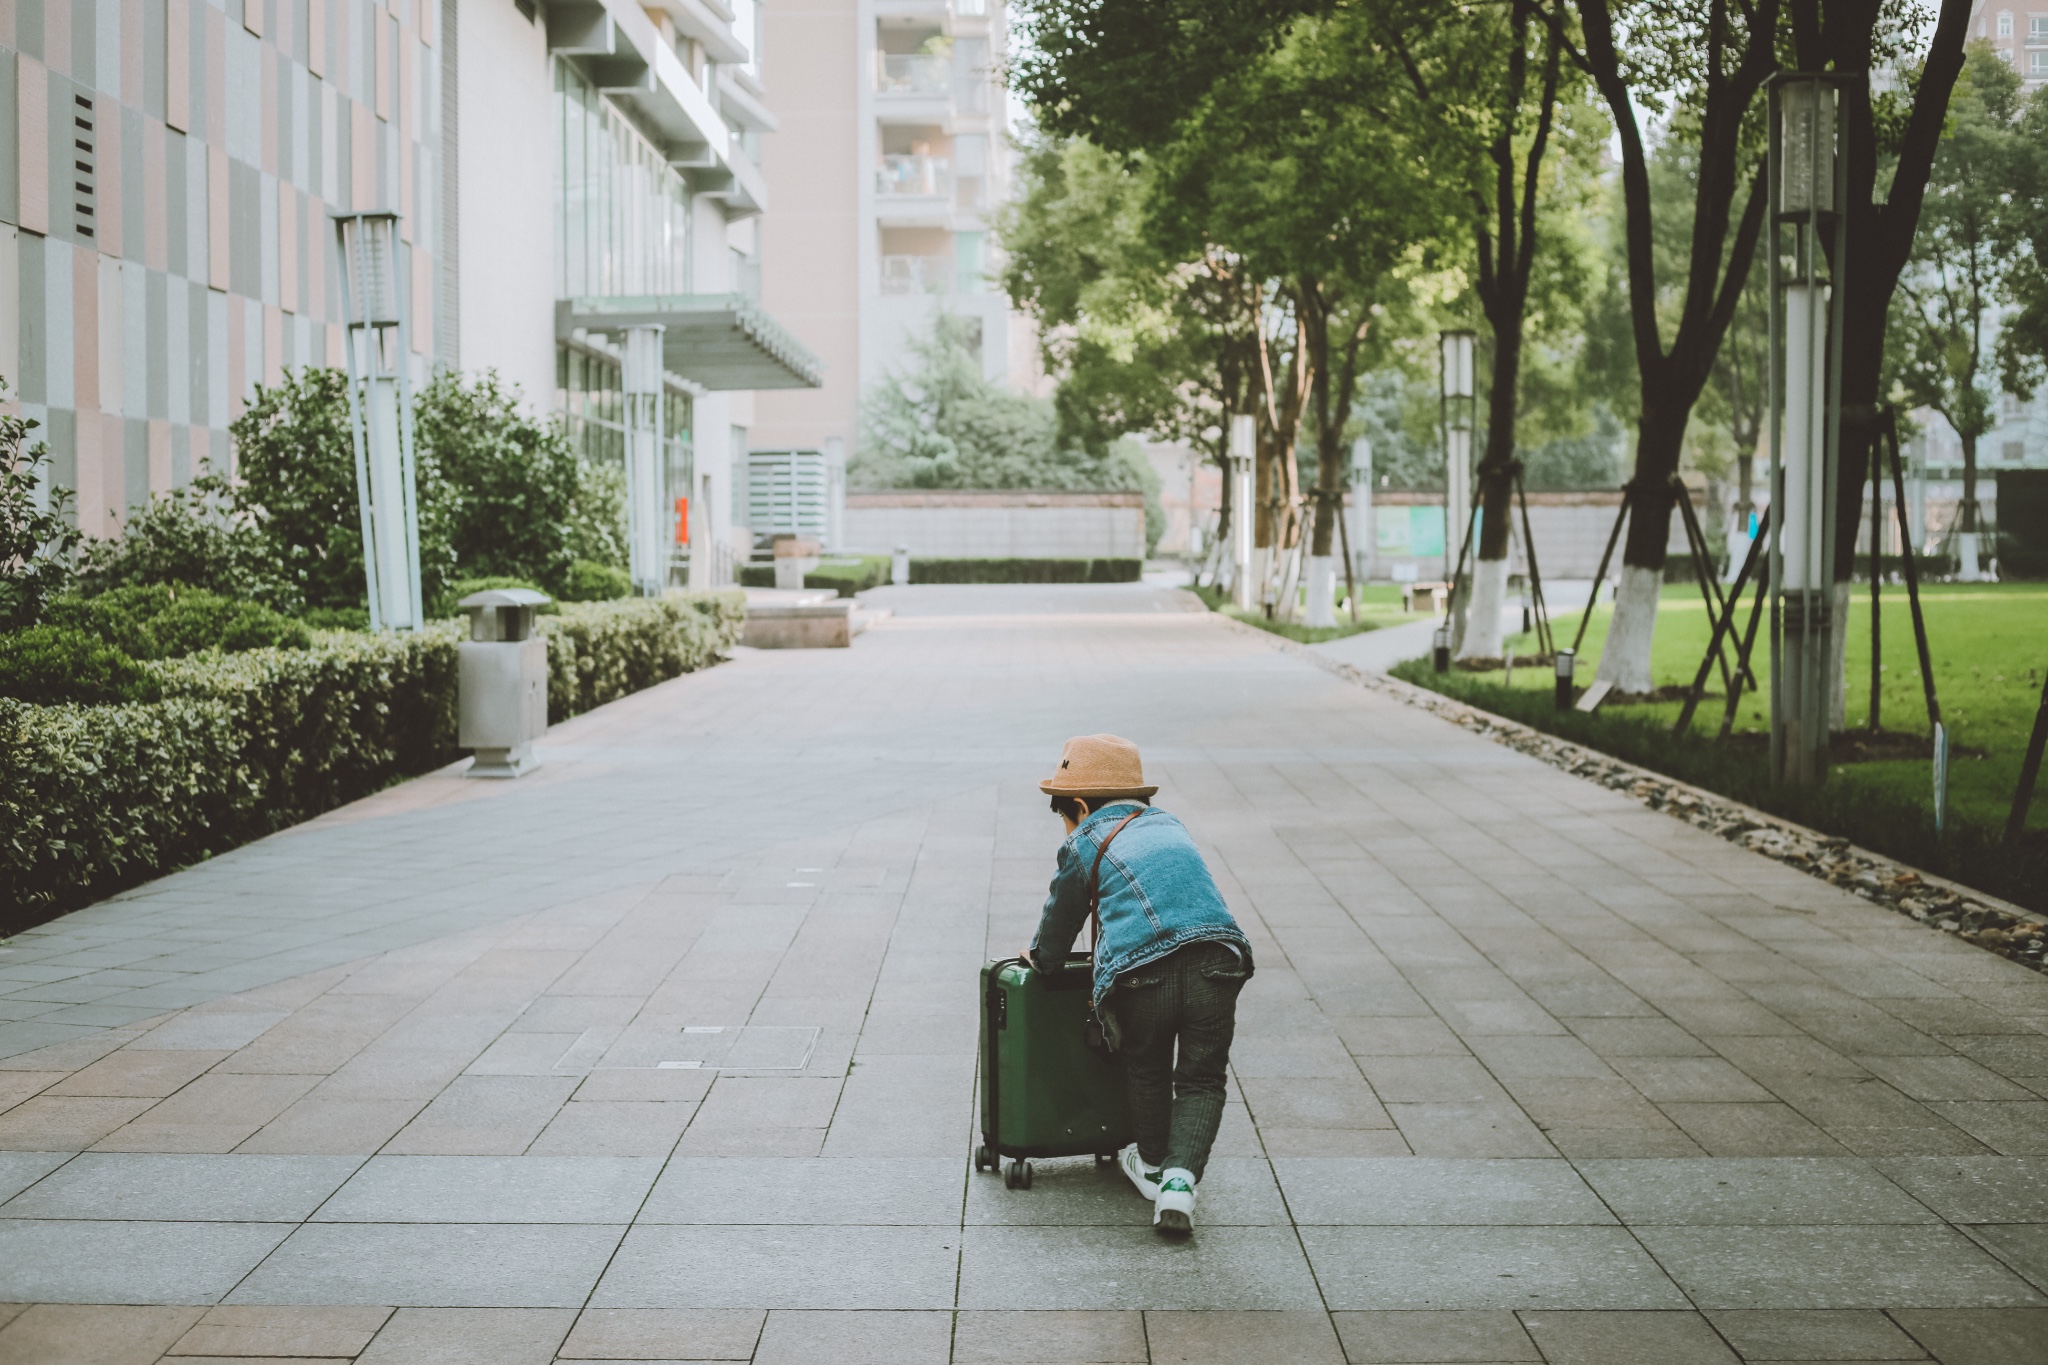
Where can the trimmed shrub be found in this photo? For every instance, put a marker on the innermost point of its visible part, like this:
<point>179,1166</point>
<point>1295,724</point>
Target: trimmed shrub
<point>164,621</point>
<point>589,581</point>
<point>1026,570</point>
<point>36,534</point>
<point>49,665</point>
<point>194,536</point>
<point>601,651</point>
<point>847,577</point>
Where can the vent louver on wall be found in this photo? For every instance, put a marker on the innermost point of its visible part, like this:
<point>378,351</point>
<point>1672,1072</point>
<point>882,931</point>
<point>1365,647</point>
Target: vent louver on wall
<point>85,181</point>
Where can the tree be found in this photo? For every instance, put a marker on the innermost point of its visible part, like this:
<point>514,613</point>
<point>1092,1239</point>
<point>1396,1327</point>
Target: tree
<point>513,481</point>
<point>1962,264</point>
<point>36,535</point>
<point>942,424</point>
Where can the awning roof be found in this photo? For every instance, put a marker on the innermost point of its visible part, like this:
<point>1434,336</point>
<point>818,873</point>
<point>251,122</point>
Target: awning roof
<point>721,341</point>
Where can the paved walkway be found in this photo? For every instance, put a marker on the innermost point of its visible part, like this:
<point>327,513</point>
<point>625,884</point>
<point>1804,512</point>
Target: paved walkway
<point>667,1052</point>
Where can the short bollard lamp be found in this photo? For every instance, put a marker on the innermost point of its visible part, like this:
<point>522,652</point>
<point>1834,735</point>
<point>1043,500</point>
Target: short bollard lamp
<point>503,682</point>
<point>1440,648</point>
<point>1566,660</point>
<point>899,566</point>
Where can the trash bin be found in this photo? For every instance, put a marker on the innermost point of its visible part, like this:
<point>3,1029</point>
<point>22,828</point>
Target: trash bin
<point>503,695</point>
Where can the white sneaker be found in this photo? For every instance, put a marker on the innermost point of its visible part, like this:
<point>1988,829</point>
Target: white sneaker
<point>1173,1208</point>
<point>1134,1166</point>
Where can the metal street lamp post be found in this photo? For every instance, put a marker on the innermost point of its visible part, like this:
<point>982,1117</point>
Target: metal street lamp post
<point>1243,442</point>
<point>1458,403</point>
<point>647,500</point>
<point>379,352</point>
<point>1808,179</point>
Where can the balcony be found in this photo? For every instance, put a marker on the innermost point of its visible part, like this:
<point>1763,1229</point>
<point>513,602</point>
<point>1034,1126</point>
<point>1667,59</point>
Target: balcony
<point>914,175</point>
<point>916,275</point>
<point>916,74</point>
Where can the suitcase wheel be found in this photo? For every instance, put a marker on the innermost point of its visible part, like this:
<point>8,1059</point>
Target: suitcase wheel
<point>984,1159</point>
<point>1104,1159</point>
<point>1017,1175</point>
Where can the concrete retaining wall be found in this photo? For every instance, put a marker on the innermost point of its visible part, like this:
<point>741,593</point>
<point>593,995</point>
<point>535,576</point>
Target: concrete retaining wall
<point>1571,529</point>
<point>997,524</point>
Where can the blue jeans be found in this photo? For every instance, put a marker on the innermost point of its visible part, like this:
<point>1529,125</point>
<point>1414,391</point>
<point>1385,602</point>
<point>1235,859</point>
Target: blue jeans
<point>1187,998</point>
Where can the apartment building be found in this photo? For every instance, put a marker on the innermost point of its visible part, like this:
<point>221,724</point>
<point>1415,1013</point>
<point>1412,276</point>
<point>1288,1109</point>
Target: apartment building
<point>566,178</point>
<point>893,158</point>
<point>2019,32</point>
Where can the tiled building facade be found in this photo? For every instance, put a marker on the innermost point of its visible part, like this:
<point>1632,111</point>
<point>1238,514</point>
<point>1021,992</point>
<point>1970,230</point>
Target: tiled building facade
<point>166,172</point>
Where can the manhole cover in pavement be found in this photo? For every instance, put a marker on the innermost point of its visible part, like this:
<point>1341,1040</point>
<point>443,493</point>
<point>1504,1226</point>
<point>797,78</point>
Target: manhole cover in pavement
<point>743,1047</point>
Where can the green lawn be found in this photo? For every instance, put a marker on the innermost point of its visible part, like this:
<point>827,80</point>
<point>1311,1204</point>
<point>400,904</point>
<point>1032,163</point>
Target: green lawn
<point>1379,604</point>
<point>1989,643</point>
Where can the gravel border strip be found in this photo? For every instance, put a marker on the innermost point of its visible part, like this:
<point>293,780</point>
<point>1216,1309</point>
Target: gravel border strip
<point>1992,924</point>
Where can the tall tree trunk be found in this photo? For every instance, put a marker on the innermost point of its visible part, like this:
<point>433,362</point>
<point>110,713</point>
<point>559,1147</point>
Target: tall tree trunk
<point>1484,634</point>
<point>1718,263</point>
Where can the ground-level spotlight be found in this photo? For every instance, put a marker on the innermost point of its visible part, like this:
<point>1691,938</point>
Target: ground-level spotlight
<point>1440,651</point>
<point>1566,660</point>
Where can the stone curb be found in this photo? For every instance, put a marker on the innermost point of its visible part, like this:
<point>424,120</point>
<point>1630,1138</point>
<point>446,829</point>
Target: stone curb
<point>1986,921</point>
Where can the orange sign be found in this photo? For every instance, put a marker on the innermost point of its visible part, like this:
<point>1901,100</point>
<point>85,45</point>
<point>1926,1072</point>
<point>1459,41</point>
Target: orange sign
<point>682,521</point>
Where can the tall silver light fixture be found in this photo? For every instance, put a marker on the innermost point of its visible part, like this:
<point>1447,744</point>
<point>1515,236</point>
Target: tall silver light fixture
<point>647,505</point>
<point>1243,447</point>
<point>1458,402</point>
<point>379,351</point>
<point>1808,244</point>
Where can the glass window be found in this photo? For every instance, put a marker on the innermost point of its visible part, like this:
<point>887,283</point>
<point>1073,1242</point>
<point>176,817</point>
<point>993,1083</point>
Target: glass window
<point>2005,25</point>
<point>590,397</point>
<point>2037,28</point>
<point>625,212</point>
<point>2039,62</point>
<point>968,253</point>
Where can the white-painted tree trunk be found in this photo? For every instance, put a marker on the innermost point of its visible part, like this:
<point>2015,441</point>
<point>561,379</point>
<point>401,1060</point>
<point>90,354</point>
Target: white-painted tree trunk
<point>1484,638</point>
<point>1625,660</point>
<point>1838,657</point>
<point>1738,550</point>
<point>1968,569</point>
<point>1322,591</point>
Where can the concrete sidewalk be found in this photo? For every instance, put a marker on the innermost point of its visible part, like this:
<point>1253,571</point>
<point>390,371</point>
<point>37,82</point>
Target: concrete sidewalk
<point>667,1052</point>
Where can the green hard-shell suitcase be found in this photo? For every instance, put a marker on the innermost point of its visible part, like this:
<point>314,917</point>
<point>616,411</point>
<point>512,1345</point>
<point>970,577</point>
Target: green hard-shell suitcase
<point>1044,1090</point>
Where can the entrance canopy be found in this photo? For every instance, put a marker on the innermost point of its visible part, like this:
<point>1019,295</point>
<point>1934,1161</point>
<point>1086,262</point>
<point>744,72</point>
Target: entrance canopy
<point>721,341</point>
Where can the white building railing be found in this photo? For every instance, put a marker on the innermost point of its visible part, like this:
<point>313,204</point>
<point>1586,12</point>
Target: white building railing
<point>916,74</point>
<point>912,174</point>
<point>916,275</point>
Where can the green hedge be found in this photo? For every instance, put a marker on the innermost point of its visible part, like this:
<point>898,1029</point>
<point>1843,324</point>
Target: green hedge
<point>1026,570</point>
<point>601,651</point>
<point>95,798</point>
<point>844,576</point>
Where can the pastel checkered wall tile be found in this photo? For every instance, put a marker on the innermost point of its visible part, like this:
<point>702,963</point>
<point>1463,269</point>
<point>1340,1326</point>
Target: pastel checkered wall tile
<point>167,168</point>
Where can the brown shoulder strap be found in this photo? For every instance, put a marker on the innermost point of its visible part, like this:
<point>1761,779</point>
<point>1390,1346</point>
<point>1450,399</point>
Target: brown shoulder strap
<point>1095,880</point>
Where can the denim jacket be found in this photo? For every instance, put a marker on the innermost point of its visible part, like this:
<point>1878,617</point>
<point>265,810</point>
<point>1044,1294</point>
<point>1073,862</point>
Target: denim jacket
<point>1156,895</point>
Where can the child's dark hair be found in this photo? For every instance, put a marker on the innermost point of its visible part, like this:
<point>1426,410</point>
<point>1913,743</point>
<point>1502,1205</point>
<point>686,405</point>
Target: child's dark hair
<point>1072,807</point>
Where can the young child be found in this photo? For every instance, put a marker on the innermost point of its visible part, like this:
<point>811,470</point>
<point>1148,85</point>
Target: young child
<point>1169,963</point>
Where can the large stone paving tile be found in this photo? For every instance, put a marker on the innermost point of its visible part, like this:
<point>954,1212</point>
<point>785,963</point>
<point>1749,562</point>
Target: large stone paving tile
<point>782,1267</point>
<point>193,1187</point>
<point>491,1189</point>
<point>1401,1336</point>
<point>2023,1246</point>
<point>1814,1334</point>
<point>1752,1190</point>
<point>1422,1190</point>
<point>434,1265</point>
<point>1569,1338</point>
<point>1134,1267</point>
<point>19,1170</point>
<point>1835,1267</point>
<point>1235,1192</point>
<point>1983,1189</point>
<point>812,1191</point>
<point>2008,1336</point>
<point>105,1262</point>
<point>664,1334</point>
<point>1466,1267</point>
<point>1050,1337</point>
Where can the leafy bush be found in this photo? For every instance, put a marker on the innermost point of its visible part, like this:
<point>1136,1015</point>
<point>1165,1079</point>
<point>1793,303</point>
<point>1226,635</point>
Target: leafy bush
<point>513,480</point>
<point>1026,570</point>
<point>164,621</point>
<point>198,536</point>
<point>589,581</point>
<point>601,651</point>
<point>296,461</point>
<point>448,605</point>
<point>47,665</point>
<point>848,577</point>
<point>36,534</point>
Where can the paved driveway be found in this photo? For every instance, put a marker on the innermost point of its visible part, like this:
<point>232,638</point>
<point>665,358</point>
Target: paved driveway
<point>667,1052</point>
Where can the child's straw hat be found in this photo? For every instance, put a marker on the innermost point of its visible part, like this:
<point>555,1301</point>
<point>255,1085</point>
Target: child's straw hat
<point>1095,766</point>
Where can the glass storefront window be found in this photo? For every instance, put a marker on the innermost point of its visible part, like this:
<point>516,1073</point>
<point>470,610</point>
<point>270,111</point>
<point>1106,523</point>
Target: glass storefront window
<point>625,212</point>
